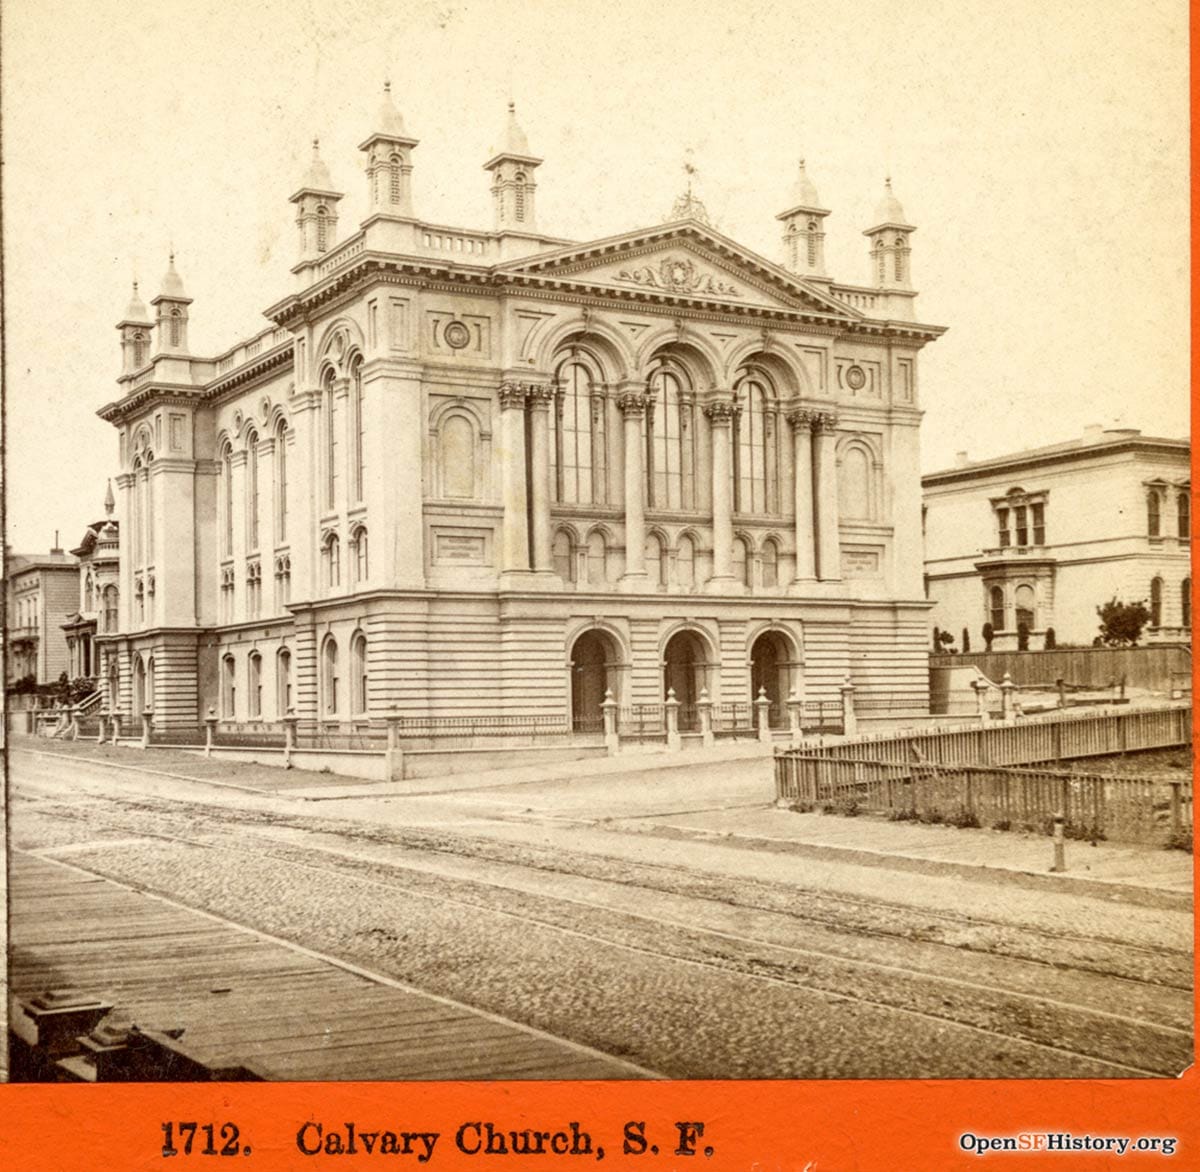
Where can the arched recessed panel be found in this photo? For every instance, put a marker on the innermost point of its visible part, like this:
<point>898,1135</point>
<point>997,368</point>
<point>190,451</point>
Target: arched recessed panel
<point>457,457</point>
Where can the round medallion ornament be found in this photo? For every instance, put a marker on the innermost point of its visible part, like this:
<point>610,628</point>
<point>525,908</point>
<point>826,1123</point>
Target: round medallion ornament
<point>457,335</point>
<point>856,378</point>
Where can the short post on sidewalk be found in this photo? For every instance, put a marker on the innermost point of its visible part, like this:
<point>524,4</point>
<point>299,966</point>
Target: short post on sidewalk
<point>1060,860</point>
<point>762,716</point>
<point>102,729</point>
<point>849,718</point>
<point>395,748</point>
<point>795,707</point>
<point>147,720</point>
<point>609,711</point>
<point>210,727</point>
<point>704,710</point>
<point>289,737</point>
<point>671,708</point>
<point>1008,709</point>
<point>116,721</point>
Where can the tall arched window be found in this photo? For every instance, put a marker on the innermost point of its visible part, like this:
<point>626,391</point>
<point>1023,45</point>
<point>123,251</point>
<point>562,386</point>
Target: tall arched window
<point>394,179</point>
<point>1154,513</point>
<point>597,559</point>
<point>329,677</point>
<point>359,429</point>
<point>770,563</point>
<point>1183,510</point>
<point>111,598</point>
<point>578,436</point>
<point>899,258</point>
<point>854,483</point>
<point>685,563</point>
<point>670,440</point>
<point>227,499</point>
<point>996,607</point>
<point>520,196</point>
<point>322,227</point>
<point>812,243</point>
<point>176,326</point>
<point>148,507</point>
<point>1156,598</point>
<point>281,482</point>
<point>228,688</point>
<point>456,455</point>
<point>254,684</point>
<point>332,554</point>
<point>332,423</point>
<point>756,444</point>
<point>139,350</point>
<point>656,561</point>
<point>252,490</point>
<point>563,555</point>
<point>358,667</point>
<point>89,592</point>
<point>283,681</point>
<point>880,261</point>
<point>138,502</point>
<point>743,562</point>
<point>361,558</point>
<point>1185,603</point>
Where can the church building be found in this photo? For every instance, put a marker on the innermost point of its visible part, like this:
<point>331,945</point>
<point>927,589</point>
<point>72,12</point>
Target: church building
<point>491,474</point>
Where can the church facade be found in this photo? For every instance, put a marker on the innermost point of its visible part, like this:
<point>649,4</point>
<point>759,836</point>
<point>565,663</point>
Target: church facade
<point>492,474</point>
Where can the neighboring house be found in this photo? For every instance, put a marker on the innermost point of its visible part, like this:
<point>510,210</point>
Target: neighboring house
<point>99,593</point>
<point>471,472</point>
<point>40,590</point>
<point>1041,538</point>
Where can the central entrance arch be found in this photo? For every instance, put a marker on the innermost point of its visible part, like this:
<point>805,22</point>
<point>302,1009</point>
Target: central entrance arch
<point>595,667</point>
<point>770,672</point>
<point>685,669</point>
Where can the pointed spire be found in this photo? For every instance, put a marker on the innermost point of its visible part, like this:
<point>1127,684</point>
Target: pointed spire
<point>109,500</point>
<point>136,310</point>
<point>317,177</point>
<point>513,143</point>
<point>888,210</point>
<point>804,191</point>
<point>389,122</point>
<point>172,283</point>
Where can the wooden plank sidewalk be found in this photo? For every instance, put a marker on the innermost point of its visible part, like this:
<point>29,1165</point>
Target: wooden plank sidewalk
<point>244,999</point>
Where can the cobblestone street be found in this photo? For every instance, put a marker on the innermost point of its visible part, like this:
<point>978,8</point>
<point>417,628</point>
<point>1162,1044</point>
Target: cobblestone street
<point>613,911</point>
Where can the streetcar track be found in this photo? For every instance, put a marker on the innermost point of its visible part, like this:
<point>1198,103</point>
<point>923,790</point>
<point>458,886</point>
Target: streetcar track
<point>727,969</point>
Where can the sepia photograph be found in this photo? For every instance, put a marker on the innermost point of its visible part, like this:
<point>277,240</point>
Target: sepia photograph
<point>596,541</point>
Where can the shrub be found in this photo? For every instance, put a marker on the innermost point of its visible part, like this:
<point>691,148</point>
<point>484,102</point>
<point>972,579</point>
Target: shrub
<point>1051,640</point>
<point>966,641</point>
<point>1022,637</point>
<point>1121,623</point>
<point>964,819</point>
<point>935,817</point>
<point>989,633</point>
<point>1002,824</point>
<point>904,814</point>
<point>1181,840</point>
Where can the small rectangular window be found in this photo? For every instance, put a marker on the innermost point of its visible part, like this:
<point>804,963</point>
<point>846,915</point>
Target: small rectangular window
<point>1002,520</point>
<point>1039,524</point>
<point>1022,527</point>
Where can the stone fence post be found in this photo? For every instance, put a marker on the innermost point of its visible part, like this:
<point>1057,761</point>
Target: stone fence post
<point>1008,690</point>
<point>289,736</point>
<point>612,741</point>
<point>762,716</point>
<point>116,721</point>
<point>147,721</point>
<point>704,709</point>
<point>210,727</point>
<point>981,708</point>
<point>849,718</point>
<point>795,707</point>
<point>395,748</point>
<point>671,708</point>
<point>102,728</point>
<point>74,722</point>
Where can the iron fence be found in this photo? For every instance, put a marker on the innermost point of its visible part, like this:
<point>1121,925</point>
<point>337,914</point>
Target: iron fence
<point>642,722</point>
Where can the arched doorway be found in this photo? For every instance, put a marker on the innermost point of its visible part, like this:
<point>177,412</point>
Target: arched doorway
<point>139,686</point>
<point>685,669</point>
<point>595,661</point>
<point>770,671</point>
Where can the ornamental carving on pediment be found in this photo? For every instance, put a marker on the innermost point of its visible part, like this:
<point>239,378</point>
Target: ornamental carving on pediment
<point>678,274</point>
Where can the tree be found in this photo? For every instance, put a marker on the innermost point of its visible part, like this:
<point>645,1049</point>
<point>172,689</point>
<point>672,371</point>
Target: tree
<point>1121,623</point>
<point>966,641</point>
<point>947,642</point>
<point>1051,641</point>
<point>1022,636</point>
<point>937,639</point>
<point>989,633</point>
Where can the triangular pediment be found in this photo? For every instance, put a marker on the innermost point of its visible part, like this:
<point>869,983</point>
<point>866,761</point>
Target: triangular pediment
<point>681,260</point>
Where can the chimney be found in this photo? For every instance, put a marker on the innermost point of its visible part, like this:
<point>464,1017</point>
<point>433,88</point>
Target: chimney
<point>55,551</point>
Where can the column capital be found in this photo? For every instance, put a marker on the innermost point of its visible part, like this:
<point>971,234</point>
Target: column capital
<point>824,421</point>
<point>720,412</point>
<point>540,395</point>
<point>632,403</point>
<point>800,417</point>
<point>511,395</point>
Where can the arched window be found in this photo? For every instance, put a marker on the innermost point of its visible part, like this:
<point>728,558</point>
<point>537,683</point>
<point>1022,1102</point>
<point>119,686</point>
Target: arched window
<point>1156,599</point>
<point>685,563</point>
<point>656,562</point>
<point>743,562</point>
<point>770,563</point>
<point>456,455</point>
<point>1153,513</point>
<point>252,491</point>
<point>361,559</point>
<point>227,499</point>
<point>176,326</point>
<point>228,688</point>
<point>358,680</point>
<point>254,684</point>
<point>996,598</point>
<point>1026,607</point>
<point>520,196</point>
<point>138,503</point>
<point>331,552</point>
<point>139,597</point>
<point>283,681</point>
<point>597,559</point>
<point>880,260</point>
<point>899,258</point>
<point>111,598</point>
<point>281,482</point>
<point>756,447</point>
<point>332,424</point>
<point>322,227</point>
<point>563,556</point>
<point>360,424</point>
<point>1183,507</point>
<point>329,677</point>
<point>854,483</point>
<point>576,454</point>
<point>670,440</point>
<point>394,179</point>
<point>88,592</point>
<point>139,349</point>
<point>812,243</point>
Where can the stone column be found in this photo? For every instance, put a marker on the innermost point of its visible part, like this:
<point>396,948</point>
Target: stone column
<point>633,408</point>
<point>541,398</point>
<point>720,417</point>
<point>828,541</point>
<point>515,552</point>
<point>802,465</point>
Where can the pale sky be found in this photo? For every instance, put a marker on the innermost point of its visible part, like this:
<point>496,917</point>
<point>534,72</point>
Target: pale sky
<point>1041,150</point>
